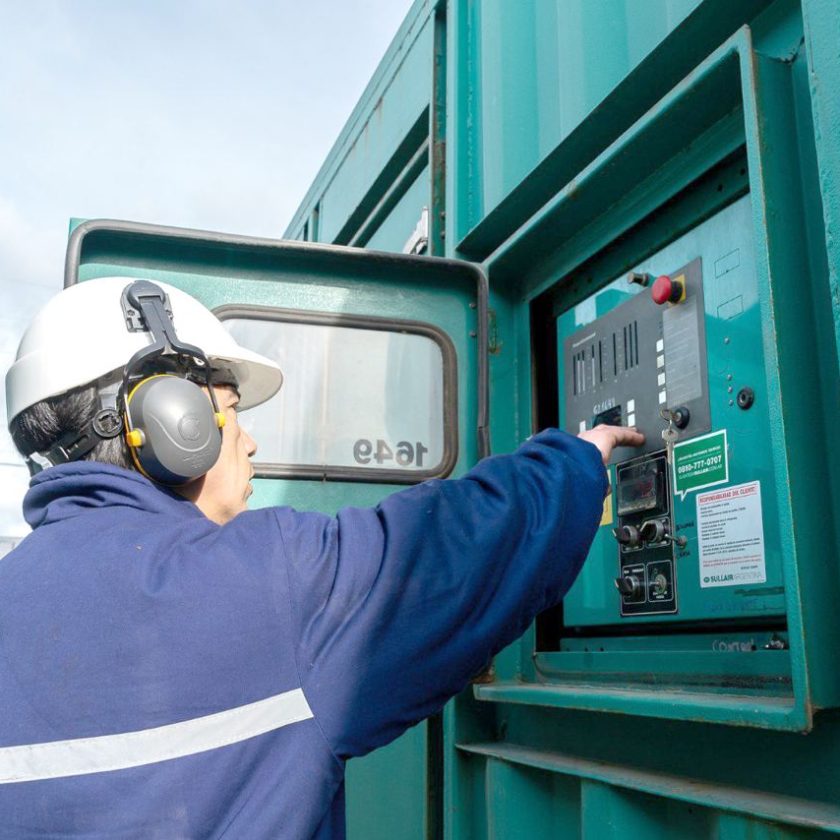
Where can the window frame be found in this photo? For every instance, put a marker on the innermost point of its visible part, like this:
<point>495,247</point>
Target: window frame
<point>367,475</point>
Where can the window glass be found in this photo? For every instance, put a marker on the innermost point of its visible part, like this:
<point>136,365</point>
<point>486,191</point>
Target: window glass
<point>351,397</point>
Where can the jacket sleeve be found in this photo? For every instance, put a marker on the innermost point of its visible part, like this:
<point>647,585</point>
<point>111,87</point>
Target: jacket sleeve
<point>398,606</point>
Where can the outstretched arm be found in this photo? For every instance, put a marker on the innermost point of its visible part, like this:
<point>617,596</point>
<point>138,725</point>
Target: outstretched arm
<point>405,602</point>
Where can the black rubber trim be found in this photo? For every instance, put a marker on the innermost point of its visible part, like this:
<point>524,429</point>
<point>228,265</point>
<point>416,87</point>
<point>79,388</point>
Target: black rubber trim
<point>364,322</point>
<point>483,338</point>
<point>677,628</point>
<point>92,227</point>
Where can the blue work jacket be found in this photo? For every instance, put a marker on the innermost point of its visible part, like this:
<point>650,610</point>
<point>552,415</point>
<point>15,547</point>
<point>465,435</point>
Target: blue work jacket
<point>162,676</point>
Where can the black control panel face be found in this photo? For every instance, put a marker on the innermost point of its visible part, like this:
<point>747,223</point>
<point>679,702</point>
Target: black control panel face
<point>640,358</point>
<point>644,532</point>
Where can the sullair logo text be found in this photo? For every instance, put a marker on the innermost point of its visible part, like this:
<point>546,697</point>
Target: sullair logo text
<point>718,578</point>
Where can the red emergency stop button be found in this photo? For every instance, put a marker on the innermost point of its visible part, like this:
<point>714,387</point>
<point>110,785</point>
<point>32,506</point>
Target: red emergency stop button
<point>666,290</point>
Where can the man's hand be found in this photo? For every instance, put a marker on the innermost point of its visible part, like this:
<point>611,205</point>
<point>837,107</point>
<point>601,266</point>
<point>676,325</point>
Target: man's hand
<point>606,438</point>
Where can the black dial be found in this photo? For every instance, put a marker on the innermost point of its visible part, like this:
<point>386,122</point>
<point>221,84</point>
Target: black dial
<point>628,535</point>
<point>629,586</point>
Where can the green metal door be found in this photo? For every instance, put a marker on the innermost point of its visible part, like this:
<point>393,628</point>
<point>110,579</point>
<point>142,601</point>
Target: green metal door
<point>384,387</point>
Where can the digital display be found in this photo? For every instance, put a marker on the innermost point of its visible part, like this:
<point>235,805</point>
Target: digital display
<point>610,417</point>
<point>638,492</point>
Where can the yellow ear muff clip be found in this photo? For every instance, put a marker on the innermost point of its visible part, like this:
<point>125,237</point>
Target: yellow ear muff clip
<point>134,438</point>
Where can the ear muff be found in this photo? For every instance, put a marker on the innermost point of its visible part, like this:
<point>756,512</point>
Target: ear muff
<point>172,430</point>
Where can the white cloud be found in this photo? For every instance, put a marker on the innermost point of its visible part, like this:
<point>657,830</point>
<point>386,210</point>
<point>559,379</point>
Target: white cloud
<point>191,113</point>
<point>31,254</point>
<point>27,280</point>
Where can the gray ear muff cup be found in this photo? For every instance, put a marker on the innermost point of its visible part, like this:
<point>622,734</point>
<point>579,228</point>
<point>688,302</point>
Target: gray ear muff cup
<point>173,434</point>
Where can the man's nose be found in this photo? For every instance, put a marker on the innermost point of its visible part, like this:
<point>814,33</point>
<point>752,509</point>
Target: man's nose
<point>250,444</point>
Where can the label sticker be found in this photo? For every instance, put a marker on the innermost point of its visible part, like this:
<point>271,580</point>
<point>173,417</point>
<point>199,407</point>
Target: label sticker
<point>607,515</point>
<point>730,536</point>
<point>700,463</point>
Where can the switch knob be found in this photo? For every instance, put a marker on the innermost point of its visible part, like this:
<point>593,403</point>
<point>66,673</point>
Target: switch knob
<point>628,535</point>
<point>653,531</point>
<point>639,278</point>
<point>629,586</point>
<point>666,290</point>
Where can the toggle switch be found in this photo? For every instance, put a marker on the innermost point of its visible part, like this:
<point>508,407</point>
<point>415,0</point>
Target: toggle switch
<point>666,290</point>
<point>639,278</point>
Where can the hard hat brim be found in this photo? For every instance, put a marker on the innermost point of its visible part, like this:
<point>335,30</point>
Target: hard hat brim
<point>258,378</point>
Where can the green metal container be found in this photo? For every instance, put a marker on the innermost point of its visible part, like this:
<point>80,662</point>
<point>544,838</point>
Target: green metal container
<point>585,140</point>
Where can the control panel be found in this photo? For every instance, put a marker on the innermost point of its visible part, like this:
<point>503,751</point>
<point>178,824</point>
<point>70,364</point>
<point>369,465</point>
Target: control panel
<point>674,347</point>
<point>643,364</point>
<point>619,372</point>
<point>645,537</point>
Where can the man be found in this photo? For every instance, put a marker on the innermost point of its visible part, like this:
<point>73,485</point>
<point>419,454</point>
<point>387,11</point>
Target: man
<point>173,665</point>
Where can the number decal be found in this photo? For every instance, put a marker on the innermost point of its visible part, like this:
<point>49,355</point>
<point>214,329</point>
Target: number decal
<point>383,452</point>
<point>361,451</point>
<point>404,453</point>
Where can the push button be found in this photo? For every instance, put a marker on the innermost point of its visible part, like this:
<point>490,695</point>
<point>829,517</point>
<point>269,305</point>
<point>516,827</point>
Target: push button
<point>665,290</point>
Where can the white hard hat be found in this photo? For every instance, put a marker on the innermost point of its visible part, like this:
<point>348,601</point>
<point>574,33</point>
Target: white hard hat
<point>80,336</point>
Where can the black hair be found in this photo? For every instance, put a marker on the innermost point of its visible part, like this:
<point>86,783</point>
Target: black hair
<point>40,426</point>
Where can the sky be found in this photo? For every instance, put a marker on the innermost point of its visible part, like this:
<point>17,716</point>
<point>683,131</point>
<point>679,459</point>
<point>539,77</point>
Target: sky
<point>207,115</point>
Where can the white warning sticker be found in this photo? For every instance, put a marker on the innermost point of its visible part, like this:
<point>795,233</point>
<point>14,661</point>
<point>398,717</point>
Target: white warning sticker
<point>730,534</point>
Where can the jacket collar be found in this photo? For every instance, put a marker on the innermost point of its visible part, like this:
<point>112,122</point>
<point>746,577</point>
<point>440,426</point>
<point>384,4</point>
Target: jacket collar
<point>69,490</point>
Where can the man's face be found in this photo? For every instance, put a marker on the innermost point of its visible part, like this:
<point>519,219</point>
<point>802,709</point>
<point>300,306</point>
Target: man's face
<point>223,492</point>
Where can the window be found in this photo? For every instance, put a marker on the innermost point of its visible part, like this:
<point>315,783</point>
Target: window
<point>362,399</point>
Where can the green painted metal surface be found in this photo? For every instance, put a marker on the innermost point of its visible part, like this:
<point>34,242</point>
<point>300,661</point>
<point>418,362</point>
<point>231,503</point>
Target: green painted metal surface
<point>733,88</point>
<point>404,216</point>
<point>562,144</point>
<point>540,68</point>
<point>384,132</point>
<point>822,31</point>
<point>387,792</point>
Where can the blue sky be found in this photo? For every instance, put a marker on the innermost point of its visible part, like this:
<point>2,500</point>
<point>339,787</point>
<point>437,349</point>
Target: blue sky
<point>198,114</point>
